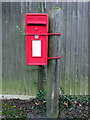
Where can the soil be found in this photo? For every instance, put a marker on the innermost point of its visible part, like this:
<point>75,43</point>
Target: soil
<point>36,108</point>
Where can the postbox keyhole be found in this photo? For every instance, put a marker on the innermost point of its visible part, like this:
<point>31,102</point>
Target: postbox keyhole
<point>36,36</point>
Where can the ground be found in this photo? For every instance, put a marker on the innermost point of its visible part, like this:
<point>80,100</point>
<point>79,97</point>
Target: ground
<point>69,107</point>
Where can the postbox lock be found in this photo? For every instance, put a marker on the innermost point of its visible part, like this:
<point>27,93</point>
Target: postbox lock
<point>37,39</point>
<point>36,36</point>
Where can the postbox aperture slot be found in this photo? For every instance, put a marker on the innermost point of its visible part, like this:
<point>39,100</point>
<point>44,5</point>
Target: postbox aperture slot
<point>36,48</point>
<point>36,24</point>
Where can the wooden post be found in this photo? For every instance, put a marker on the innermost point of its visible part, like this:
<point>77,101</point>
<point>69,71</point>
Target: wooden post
<point>53,71</point>
<point>41,77</point>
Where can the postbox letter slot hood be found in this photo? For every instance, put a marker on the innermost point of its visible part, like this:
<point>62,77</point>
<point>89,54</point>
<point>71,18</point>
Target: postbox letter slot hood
<point>36,23</point>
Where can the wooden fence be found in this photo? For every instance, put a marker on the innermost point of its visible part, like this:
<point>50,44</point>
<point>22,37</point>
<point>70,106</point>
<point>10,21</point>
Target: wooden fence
<point>18,78</point>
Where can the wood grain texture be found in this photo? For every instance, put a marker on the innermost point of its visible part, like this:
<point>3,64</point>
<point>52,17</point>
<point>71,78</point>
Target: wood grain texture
<point>53,70</point>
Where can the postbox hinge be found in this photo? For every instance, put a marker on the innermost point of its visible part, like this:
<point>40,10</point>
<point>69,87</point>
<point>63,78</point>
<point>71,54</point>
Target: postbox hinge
<point>54,57</point>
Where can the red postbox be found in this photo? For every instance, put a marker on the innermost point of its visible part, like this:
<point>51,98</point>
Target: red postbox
<point>37,39</point>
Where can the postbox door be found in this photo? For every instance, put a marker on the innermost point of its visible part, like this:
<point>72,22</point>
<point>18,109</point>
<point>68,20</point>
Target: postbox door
<point>37,50</point>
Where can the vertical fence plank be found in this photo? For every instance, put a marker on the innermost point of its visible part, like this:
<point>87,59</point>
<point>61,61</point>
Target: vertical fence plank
<point>89,50</point>
<point>1,48</point>
<point>78,50</point>
<point>11,39</point>
<point>20,49</point>
<point>6,44</point>
<point>73,45</point>
<point>84,81</point>
<point>68,48</point>
<point>63,47</point>
<point>3,44</point>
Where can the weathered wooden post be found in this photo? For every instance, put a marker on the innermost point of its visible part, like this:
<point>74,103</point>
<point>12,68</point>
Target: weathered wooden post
<point>41,77</point>
<point>53,71</point>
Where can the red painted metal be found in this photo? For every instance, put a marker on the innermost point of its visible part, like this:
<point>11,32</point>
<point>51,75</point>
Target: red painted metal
<point>45,34</point>
<point>37,34</point>
<point>54,57</point>
<point>36,24</point>
<point>54,33</point>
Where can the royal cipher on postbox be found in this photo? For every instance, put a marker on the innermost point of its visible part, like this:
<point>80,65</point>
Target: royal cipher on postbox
<point>37,39</point>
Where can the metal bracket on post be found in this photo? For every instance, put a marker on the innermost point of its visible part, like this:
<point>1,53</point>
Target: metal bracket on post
<point>54,33</point>
<point>54,57</point>
<point>57,56</point>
